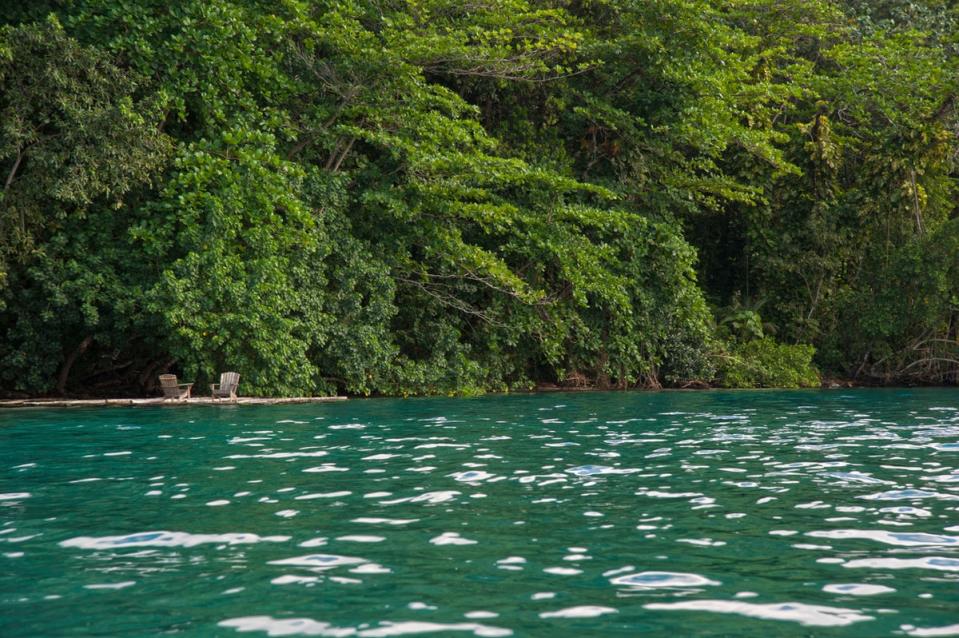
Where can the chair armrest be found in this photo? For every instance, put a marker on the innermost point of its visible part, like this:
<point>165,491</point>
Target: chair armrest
<point>184,385</point>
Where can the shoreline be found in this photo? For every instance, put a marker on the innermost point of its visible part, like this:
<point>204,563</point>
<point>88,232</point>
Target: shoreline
<point>545,389</point>
<point>160,401</point>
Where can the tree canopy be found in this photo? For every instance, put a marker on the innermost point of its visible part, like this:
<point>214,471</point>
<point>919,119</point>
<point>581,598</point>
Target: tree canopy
<point>431,196</point>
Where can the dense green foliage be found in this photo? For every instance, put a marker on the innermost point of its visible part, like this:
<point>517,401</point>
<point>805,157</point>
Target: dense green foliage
<point>764,363</point>
<point>435,196</point>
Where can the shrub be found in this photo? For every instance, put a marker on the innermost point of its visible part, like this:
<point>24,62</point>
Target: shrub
<point>765,363</point>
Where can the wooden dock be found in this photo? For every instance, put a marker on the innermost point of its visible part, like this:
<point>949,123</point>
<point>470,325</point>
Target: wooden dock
<point>159,401</point>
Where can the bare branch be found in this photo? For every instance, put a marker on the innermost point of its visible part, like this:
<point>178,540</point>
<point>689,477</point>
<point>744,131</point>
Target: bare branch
<point>13,171</point>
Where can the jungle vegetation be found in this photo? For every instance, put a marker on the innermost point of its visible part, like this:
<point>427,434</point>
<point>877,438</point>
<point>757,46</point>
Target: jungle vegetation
<point>455,196</point>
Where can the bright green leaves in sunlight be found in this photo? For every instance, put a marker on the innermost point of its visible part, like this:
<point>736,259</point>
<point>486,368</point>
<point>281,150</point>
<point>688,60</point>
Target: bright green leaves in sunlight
<point>224,234</point>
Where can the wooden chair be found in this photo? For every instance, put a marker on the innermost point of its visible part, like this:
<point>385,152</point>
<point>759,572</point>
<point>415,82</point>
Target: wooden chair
<point>172,389</point>
<point>226,388</point>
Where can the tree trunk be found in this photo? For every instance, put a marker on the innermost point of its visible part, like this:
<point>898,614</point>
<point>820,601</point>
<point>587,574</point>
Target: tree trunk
<point>71,359</point>
<point>145,380</point>
<point>915,203</point>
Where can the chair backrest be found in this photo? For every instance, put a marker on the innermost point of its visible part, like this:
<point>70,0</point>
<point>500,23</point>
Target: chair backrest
<point>229,381</point>
<point>168,385</point>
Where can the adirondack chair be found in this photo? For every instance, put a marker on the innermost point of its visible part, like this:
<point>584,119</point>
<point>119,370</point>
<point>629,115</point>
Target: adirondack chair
<point>172,389</point>
<point>226,388</point>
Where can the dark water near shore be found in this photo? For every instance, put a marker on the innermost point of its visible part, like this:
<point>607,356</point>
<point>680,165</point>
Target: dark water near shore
<point>654,514</point>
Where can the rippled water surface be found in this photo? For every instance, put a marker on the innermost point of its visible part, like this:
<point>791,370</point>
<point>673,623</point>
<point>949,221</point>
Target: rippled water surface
<point>655,514</point>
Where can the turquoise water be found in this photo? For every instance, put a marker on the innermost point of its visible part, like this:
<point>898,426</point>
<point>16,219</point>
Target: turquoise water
<point>654,514</point>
